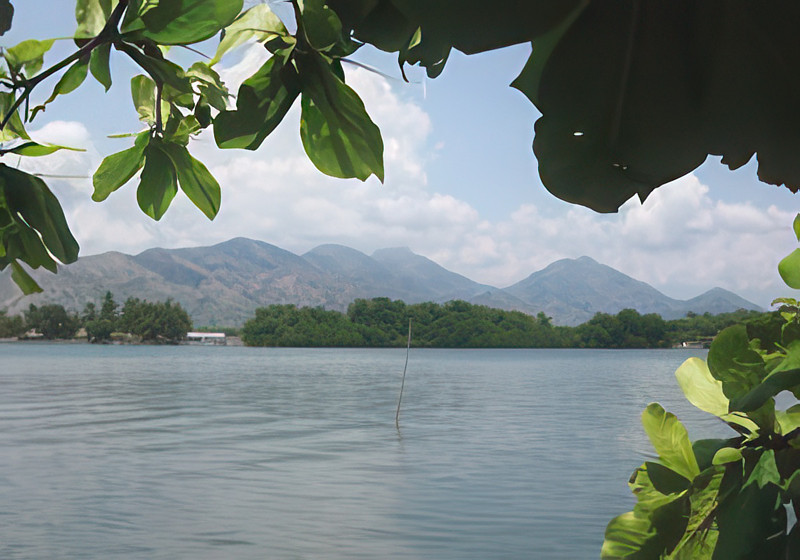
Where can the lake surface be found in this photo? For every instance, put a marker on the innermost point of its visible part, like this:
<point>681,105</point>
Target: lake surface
<point>239,453</point>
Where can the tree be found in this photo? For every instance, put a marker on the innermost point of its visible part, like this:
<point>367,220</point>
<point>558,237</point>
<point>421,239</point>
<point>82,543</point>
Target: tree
<point>164,322</point>
<point>11,326</point>
<point>52,321</point>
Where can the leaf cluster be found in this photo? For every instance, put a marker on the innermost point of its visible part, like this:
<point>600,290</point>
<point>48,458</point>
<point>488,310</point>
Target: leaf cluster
<point>722,498</point>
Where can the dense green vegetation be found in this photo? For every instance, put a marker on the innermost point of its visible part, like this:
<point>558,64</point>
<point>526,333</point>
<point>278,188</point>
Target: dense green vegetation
<point>164,322</point>
<point>381,322</point>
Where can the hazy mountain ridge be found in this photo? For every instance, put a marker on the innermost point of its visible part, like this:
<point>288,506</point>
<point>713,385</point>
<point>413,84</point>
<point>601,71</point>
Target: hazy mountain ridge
<point>224,283</point>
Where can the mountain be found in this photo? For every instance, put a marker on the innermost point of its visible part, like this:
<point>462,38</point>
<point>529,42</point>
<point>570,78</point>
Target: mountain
<point>224,284</point>
<point>573,290</point>
<point>427,279</point>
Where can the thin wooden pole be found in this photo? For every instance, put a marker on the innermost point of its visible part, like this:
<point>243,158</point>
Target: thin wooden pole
<point>403,383</point>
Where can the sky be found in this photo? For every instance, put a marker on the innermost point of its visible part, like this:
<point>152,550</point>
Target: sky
<point>461,183</point>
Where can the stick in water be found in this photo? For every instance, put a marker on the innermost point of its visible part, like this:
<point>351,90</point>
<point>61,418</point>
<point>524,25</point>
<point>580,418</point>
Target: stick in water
<point>403,383</point>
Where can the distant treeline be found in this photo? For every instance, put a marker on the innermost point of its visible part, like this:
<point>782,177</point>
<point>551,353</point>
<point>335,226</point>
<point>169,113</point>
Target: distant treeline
<point>381,322</point>
<point>146,321</point>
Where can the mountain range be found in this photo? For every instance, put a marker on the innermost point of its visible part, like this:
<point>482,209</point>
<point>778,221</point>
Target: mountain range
<point>223,284</point>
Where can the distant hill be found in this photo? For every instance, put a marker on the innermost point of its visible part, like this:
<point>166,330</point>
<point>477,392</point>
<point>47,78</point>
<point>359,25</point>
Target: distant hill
<point>223,284</point>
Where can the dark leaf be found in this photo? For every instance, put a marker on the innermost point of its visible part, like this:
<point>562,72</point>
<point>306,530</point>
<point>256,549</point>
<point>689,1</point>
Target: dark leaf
<point>6,15</point>
<point>29,197</point>
<point>262,103</point>
<point>99,65</point>
<point>159,181</point>
<point>195,180</point>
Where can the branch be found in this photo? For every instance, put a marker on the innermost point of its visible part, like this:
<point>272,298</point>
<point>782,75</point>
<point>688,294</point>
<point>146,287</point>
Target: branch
<point>103,37</point>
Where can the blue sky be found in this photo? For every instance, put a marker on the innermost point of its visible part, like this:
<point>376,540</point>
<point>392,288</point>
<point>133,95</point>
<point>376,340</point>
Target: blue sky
<point>461,184</point>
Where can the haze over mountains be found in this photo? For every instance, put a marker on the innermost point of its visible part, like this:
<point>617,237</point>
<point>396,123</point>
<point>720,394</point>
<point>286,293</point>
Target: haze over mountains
<point>223,284</point>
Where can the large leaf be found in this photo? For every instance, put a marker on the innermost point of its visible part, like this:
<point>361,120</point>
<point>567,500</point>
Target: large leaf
<point>29,197</point>
<point>99,65</point>
<point>322,26</point>
<point>789,269</point>
<point>700,387</point>
<point>670,440</point>
<point>705,392</point>
<point>195,180</point>
<point>259,23</point>
<point>28,55</point>
<point>337,133</point>
<point>182,22</point>
<point>117,169</point>
<point>752,525</point>
<point>6,15</point>
<point>69,82</point>
<point>262,103</point>
<point>159,181</point>
<point>91,16</point>
<point>143,94</point>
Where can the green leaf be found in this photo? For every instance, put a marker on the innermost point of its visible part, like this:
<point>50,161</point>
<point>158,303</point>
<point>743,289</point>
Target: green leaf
<point>99,65</point>
<point>765,472</point>
<point>337,133</point>
<point>734,363</point>
<point>700,387</point>
<point>29,197</point>
<point>195,180</point>
<point>700,537</point>
<point>788,420</point>
<point>262,103</point>
<point>789,269</point>
<point>159,181</point>
<point>117,169</point>
<point>321,25</point>
<point>796,226</point>
<point>727,455</point>
<point>91,16</point>
<point>71,80</point>
<point>33,149</point>
<point>706,393</point>
<point>670,440</point>
<point>28,55</point>
<point>22,279</point>
<point>183,22</point>
<point>627,536</point>
<point>14,128</point>
<point>259,23</point>
<point>143,93</point>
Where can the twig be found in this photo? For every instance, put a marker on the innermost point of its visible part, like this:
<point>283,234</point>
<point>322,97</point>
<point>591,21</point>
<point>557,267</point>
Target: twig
<point>403,383</point>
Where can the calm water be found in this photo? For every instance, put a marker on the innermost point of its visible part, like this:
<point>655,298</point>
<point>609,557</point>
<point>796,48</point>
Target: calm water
<point>202,452</point>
